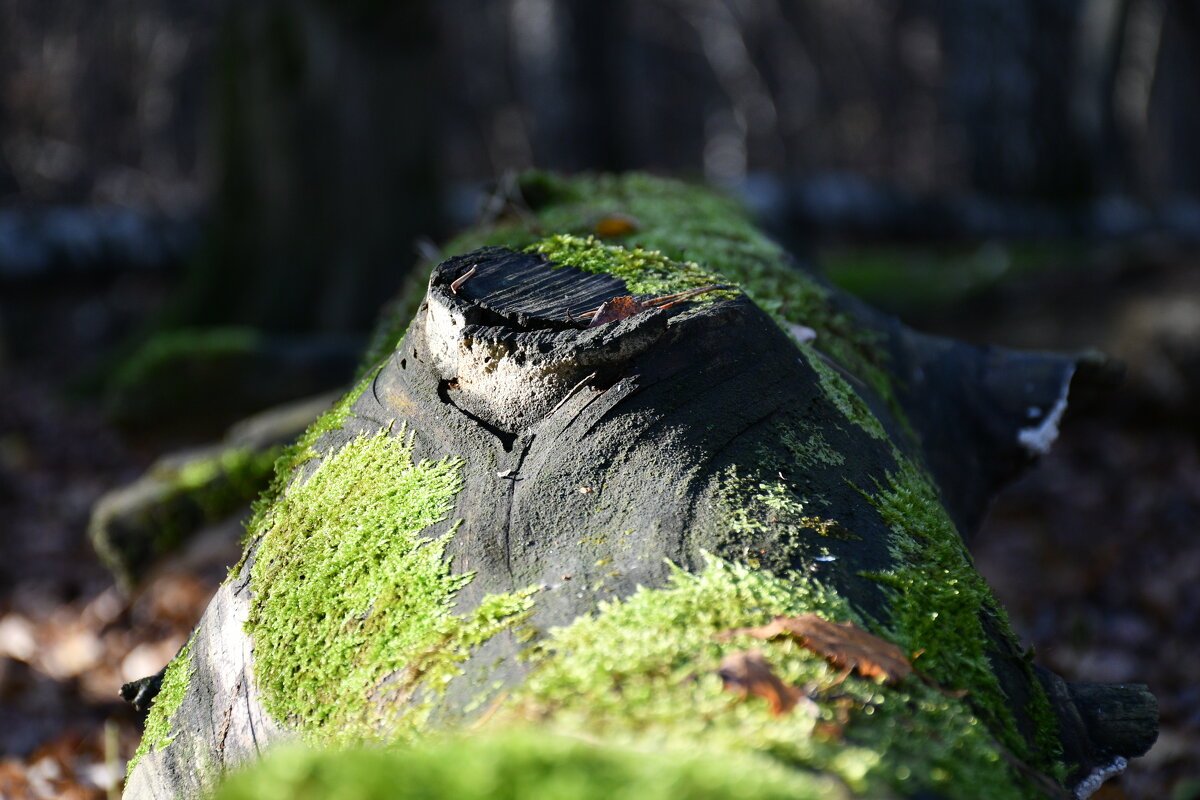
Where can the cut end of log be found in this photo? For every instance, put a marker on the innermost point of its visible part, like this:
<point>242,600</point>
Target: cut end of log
<point>508,334</point>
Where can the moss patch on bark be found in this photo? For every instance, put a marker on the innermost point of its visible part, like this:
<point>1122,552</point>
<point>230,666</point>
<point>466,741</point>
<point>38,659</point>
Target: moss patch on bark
<point>157,734</point>
<point>352,588</point>
<point>643,673</point>
<point>522,765</point>
<point>352,608</point>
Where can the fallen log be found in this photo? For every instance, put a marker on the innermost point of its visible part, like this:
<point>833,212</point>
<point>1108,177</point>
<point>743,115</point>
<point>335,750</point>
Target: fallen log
<point>136,525</point>
<point>544,510</point>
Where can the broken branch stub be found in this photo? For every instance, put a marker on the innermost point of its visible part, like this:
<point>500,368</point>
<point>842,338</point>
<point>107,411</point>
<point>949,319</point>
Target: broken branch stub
<point>506,342</point>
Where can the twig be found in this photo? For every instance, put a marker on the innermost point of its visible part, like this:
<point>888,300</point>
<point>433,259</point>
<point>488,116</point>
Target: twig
<point>571,393</point>
<point>461,279</point>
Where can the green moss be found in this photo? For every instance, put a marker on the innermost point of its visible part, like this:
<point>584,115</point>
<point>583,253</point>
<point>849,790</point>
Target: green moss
<point>838,390</point>
<point>296,455</point>
<point>643,673</point>
<point>938,606</point>
<point>221,484</point>
<point>643,271</point>
<point>807,446</point>
<point>351,614</point>
<point>157,734</point>
<point>763,520</point>
<point>520,765</point>
<point>347,558</point>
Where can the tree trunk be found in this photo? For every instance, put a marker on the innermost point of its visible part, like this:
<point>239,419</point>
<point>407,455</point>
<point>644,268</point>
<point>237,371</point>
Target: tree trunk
<point>524,516</point>
<point>325,173</point>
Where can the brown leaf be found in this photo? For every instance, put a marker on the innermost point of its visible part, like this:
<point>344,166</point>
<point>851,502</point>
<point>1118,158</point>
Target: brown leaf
<point>615,225</point>
<point>749,673</point>
<point>844,644</point>
<point>621,307</point>
<point>615,309</point>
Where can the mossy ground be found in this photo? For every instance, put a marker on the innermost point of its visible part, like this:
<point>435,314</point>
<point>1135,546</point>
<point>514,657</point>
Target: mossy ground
<point>202,490</point>
<point>222,483</point>
<point>157,734</point>
<point>521,765</point>
<point>907,279</point>
<point>351,613</point>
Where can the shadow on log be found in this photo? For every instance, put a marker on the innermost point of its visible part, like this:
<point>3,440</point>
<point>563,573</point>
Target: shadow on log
<point>520,520</point>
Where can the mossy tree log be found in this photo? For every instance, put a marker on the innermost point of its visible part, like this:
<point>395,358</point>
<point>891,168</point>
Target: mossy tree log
<point>522,520</point>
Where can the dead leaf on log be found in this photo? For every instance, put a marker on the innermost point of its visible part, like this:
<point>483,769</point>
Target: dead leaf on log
<point>749,673</point>
<point>844,644</point>
<point>616,309</point>
<point>615,225</point>
<point>622,307</point>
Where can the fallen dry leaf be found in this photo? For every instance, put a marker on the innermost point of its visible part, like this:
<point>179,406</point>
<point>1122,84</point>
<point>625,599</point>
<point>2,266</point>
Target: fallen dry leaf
<point>623,307</point>
<point>615,225</point>
<point>616,309</point>
<point>844,644</point>
<point>749,673</point>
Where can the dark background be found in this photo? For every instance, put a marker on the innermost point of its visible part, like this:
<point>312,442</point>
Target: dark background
<point>1024,172</point>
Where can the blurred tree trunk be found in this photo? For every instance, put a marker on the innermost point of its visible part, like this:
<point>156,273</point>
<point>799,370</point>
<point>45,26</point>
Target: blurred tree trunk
<point>1173,118</point>
<point>1009,76</point>
<point>324,163</point>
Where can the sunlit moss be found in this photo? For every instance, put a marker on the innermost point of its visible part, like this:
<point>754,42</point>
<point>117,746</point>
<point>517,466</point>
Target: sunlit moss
<point>838,390</point>
<point>347,564</point>
<point>158,733</point>
<point>295,455</point>
<point>643,271</point>
<point>522,765</point>
<point>688,224</point>
<point>642,672</point>
<point>352,598</point>
<point>938,604</point>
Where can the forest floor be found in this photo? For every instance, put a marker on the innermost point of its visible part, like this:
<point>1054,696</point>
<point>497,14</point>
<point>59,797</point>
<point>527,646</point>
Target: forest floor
<point>1094,553</point>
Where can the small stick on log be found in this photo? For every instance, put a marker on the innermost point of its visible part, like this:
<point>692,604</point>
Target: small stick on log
<point>460,280</point>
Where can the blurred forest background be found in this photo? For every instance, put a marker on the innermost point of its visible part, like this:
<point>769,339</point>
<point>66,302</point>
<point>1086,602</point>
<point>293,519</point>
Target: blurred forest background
<point>1023,172</point>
